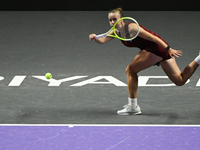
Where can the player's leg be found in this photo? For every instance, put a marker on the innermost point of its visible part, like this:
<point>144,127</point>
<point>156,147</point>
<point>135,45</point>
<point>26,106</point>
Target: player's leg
<point>141,61</point>
<point>173,72</point>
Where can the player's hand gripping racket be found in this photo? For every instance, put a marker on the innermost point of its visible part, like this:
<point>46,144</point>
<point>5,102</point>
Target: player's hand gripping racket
<point>125,29</point>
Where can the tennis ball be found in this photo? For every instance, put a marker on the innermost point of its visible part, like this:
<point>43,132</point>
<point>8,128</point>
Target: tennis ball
<point>48,75</point>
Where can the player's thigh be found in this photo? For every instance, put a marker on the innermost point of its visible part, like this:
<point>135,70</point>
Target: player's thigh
<point>142,61</point>
<point>171,69</point>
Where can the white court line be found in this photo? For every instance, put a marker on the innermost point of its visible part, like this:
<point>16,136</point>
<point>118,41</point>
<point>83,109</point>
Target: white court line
<point>103,125</point>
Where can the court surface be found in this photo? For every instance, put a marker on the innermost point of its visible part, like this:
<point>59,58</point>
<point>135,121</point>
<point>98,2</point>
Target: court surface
<point>89,80</point>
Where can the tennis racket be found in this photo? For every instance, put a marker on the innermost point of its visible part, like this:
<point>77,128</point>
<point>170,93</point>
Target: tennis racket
<point>125,29</point>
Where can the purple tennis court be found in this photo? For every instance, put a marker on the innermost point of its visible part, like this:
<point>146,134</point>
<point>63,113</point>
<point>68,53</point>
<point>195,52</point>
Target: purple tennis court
<point>100,137</point>
<point>89,84</point>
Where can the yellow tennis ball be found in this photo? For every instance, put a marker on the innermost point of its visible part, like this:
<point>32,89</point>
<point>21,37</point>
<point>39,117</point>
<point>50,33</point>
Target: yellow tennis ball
<point>48,75</point>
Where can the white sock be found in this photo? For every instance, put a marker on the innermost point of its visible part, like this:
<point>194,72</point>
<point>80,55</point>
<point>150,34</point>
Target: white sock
<point>132,101</point>
<point>197,59</point>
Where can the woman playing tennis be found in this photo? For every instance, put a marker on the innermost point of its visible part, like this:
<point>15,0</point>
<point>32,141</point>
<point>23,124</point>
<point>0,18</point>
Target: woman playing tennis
<point>153,50</point>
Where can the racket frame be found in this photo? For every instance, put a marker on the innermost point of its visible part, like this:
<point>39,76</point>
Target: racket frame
<point>115,34</point>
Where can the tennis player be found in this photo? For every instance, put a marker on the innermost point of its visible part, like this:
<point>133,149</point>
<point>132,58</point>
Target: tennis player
<point>153,51</point>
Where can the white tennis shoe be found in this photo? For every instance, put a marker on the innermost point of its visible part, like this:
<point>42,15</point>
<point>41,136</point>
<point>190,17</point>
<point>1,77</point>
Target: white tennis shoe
<point>130,110</point>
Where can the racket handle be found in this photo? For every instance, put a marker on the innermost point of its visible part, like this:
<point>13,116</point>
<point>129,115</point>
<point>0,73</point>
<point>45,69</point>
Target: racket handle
<point>100,36</point>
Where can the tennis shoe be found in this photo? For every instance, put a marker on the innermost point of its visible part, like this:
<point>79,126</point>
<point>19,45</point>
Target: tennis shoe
<point>130,110</point>
<point>125,106</point>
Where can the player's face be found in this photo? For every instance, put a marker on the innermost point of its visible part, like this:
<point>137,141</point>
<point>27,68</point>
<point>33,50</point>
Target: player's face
<point>113,17</point>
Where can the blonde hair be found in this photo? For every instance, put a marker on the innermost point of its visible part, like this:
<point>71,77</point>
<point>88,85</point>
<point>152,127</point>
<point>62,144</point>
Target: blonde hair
<point>117,10</point>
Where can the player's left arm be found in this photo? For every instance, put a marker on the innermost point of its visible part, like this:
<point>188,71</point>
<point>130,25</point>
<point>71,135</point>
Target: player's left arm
<point>148,36</point>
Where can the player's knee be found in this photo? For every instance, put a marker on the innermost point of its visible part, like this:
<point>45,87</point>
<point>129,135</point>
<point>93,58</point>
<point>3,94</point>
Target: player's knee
<point>130,71</point>
<point>179,83</point>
